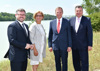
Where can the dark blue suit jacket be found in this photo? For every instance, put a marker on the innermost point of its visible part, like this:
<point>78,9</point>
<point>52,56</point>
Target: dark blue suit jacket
<point>64,37</point>
<point>83,38</point>
<point>17,40</point>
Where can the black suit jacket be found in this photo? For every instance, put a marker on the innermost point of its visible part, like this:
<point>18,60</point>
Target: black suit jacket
<point>83,38</point>
<point>17,42</point>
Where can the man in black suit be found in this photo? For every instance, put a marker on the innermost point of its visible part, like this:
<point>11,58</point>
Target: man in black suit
<point>18,36</point>
<point>82,37</point>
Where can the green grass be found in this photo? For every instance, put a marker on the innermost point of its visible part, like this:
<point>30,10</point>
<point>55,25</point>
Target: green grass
<point>49,64</point>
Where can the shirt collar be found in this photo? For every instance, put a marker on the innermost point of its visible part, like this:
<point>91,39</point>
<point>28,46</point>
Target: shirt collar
<point>20,22</point>
<point>79,18</point>
<point>60,19</point>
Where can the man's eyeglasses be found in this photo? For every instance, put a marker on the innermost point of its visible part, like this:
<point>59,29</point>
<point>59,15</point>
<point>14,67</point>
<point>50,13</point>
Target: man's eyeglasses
<point>21,14</point>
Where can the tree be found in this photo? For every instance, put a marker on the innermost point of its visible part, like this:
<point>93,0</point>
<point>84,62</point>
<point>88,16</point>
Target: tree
<point>29,16</point>
<point>91,6</point>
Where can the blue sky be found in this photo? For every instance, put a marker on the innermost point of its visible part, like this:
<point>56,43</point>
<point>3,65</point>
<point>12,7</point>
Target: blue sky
<point>46,6</point>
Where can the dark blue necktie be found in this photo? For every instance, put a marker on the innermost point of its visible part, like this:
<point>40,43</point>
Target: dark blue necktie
<point>24,28</point>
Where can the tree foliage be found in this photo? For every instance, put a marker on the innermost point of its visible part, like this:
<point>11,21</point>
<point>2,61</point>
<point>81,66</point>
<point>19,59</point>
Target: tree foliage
<point>91,6</point>
<point>49,17</point>
<point>29,16</point>
<point>95,21</point>
<point>6,16</point>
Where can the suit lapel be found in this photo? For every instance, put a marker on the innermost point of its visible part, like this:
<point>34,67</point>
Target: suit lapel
<point>62,24</point>
<point>27,29</point>
<point>74,21</point>
<point>20,28</point>
<point>55,25</point>
<point>43,29</point>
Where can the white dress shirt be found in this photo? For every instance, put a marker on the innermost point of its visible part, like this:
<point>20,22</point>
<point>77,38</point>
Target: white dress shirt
<point>77,23</point>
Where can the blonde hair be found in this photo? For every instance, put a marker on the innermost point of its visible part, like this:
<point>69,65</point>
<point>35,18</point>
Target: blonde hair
<point>34,16</point>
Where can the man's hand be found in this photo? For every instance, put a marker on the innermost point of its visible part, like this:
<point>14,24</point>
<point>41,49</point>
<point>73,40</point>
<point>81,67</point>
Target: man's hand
<point>29,46</point>
<point>32,47</point>
<point>68,49</point>
<point>89,48</point>
<point>50,49</point>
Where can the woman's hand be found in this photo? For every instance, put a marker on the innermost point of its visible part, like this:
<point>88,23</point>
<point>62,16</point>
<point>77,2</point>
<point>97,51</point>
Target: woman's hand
<point>35,50</point>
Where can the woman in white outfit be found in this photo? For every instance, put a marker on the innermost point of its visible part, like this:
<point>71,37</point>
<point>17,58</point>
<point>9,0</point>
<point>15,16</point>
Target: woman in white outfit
<point>38,38</point>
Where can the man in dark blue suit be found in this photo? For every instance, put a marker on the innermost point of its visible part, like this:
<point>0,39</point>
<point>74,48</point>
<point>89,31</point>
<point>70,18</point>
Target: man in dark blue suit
<point>82,35</point>
<point>18,36</point>
<point>59,39</point>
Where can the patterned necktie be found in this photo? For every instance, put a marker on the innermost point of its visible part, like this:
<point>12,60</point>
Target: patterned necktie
<point>58,26</point>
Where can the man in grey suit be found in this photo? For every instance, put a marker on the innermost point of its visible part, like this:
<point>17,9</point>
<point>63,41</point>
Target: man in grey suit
<point>82,36</point>
<point>18,36</point>
<point>60,39</point>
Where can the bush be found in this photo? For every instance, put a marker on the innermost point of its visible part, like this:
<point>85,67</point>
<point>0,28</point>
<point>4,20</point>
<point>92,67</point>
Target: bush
<point>95,21</point>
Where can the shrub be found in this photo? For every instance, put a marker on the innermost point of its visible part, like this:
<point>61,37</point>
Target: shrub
<point>95,21</point>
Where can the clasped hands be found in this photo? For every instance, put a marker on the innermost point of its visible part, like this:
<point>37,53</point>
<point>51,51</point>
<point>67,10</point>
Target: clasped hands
<point>32,47</point>
<point>29,46</point>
